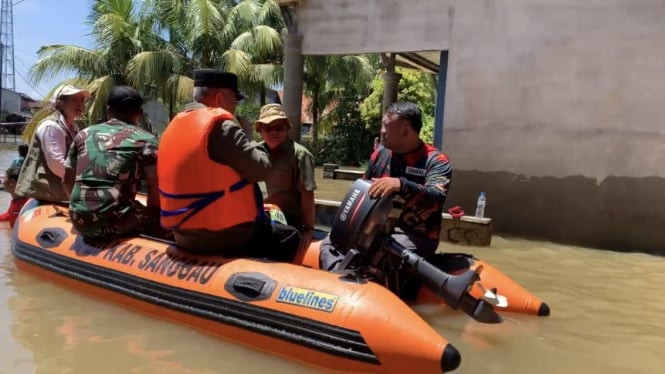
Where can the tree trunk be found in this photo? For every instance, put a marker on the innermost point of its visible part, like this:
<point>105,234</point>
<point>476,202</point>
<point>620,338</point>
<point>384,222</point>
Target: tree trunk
<point>315,120</point>
<point>171,105</point>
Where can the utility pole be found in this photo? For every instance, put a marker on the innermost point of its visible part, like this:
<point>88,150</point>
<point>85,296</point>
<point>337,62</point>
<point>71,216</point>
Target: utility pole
<point>7,38</point>
<point>2,87</point>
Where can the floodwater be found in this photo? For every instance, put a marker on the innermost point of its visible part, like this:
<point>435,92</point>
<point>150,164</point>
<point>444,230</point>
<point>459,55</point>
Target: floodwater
<point>608,316</point>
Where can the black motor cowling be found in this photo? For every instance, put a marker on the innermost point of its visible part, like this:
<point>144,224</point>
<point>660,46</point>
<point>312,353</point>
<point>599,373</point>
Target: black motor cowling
<point>360,226</point>
<point>359,219</point>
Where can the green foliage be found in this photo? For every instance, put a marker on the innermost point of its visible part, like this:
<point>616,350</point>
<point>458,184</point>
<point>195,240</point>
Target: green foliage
<point>349,142</point>
<point>327,78</point>
<point>155,45</point>
<point>249,109</point>
<point>415,86</point>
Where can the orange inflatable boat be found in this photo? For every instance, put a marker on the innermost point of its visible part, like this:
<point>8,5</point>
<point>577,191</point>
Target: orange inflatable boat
<point>299,313</point>
<point>361,231</point>
<point>518,299</point>
<point>330,320</point>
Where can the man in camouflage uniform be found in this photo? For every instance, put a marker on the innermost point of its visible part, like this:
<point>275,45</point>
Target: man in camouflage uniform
<point>103,169</point>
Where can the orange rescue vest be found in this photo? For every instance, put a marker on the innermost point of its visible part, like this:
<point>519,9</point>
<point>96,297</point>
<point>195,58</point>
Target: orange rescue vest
<point>196,192</point>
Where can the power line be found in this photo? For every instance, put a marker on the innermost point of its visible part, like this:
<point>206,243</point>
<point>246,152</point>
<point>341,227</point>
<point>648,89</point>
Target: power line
<point>24,66</point>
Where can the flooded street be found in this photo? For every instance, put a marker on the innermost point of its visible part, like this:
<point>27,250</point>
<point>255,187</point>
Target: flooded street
<point>608,316</point>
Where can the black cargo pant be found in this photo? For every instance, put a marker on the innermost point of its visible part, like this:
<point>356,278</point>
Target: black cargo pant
<point>273,241</point>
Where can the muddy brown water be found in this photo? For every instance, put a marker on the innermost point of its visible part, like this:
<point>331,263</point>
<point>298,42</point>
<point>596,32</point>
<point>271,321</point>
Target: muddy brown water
<point>608,316</point>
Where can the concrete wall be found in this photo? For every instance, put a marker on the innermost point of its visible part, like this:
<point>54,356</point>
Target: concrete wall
<point>157,114</point>
<point>555,108</point>
<point>11,101</point>
<point>352,26</point>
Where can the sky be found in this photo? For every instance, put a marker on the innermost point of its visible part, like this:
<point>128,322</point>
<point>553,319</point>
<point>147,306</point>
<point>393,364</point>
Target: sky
<point>45,22</point>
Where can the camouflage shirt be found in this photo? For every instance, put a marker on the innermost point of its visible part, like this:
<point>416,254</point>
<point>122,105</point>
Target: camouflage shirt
<point>109,159</point>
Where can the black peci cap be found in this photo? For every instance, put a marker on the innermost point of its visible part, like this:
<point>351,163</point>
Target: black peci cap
<point>124,98</point>
<point>214,78</point>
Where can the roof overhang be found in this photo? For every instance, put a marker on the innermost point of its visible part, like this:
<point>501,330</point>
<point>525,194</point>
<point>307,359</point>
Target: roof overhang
<point>426,60</point>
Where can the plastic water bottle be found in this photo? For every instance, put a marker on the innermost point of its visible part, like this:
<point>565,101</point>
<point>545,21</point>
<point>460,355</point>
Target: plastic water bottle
<point>480,206</point>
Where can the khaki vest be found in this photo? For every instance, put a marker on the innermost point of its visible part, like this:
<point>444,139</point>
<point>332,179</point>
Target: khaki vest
<point>36,180</point>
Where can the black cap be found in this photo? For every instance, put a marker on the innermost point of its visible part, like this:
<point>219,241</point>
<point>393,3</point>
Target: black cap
<point>217,79</point>
<point>124,98</point>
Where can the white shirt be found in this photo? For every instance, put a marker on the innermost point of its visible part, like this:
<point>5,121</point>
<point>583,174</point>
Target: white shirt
<point>52,135</point>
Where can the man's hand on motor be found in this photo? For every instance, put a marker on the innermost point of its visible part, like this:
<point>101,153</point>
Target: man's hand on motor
<point>385,186</point>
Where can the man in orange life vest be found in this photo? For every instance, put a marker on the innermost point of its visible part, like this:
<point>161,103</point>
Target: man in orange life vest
<point>208,170</point>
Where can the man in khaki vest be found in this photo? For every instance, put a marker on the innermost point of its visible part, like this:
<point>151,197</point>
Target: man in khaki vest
<point>44,166</point>
<point>290,181</point>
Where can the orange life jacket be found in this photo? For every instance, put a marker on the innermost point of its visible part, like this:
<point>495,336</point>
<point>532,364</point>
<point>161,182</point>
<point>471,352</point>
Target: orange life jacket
<point>196,192</point>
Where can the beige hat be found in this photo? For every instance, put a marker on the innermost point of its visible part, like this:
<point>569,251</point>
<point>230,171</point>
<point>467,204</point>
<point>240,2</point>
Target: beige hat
<point>69,90</point>
<point>270,113</point>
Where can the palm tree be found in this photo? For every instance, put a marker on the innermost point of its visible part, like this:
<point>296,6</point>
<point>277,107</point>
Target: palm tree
<point>118,34</point>
<point>156,47</point>
<point>241,37</point>
<point>327,77</point>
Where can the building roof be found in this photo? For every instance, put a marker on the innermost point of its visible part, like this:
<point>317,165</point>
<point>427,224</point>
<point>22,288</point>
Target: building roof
<point>425,60</point>
<point>27,98</point>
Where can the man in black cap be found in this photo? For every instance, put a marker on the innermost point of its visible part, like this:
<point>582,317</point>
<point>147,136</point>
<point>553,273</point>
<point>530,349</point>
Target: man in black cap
<point>103,168</point>
<point>208,173</point>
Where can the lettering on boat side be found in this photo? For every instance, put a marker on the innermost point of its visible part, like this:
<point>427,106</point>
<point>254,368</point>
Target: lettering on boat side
<point>154,261</point>
<point>307,298</point>
<point>122,253</point>
<point>185,268</point>
<point>88,247</point>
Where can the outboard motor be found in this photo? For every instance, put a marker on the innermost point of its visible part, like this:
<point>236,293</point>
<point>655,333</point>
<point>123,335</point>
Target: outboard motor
<point>360,230</point>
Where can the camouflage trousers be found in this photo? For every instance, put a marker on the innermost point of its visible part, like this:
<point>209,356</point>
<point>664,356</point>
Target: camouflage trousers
<point>137,219</point>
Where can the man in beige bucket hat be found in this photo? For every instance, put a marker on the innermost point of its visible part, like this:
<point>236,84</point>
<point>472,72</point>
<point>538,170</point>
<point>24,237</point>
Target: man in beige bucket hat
<point>44,166</point>
<point>290,182</point>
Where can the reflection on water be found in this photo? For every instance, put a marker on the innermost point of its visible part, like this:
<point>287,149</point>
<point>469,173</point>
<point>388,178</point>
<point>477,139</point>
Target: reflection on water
<point>607,317</point>
<point>64,332</point>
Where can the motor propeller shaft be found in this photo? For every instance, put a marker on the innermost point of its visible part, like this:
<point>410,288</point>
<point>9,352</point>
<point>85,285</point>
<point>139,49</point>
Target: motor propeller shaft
<point>453,289</point>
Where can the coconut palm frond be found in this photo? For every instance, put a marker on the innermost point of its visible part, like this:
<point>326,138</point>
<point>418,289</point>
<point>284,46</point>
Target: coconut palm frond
<point>100,89</point>
<point>266,74</point>
<point>111,28</point>
<point>179,88</point>
<point>31,126</point>
<point>270,14</point>
<point>261,40</point>
<point>56,59</point>
<point>360,68</point>
<point>244,14</point>
<point>151,67</point>
<point>204,19</point>
<point>237,62</point>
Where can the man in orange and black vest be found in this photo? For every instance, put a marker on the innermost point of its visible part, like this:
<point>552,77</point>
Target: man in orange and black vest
<point>407,168</point>
<point>208,169</point>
